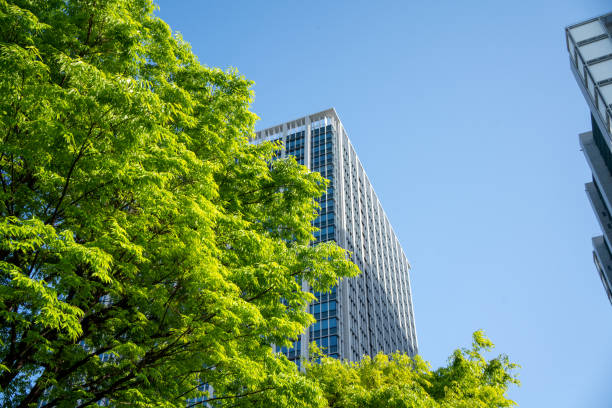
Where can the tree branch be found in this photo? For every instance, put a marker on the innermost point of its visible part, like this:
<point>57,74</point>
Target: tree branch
<point>246,394</point>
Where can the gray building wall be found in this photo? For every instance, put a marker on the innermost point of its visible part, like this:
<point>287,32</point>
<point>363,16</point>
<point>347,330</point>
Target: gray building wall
<point>589,44</point>
<point>372,312</point>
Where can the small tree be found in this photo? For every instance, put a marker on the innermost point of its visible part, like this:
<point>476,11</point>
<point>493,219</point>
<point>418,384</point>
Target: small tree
<point>398,381</point>
<point>145,245</point>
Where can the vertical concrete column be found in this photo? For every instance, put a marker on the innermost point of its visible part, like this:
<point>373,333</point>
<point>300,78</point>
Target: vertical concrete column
<point>373,269</point>
<point>284,139</point>
<point>305,286</point>
<point>307,144</point>
<point>339,181</point>
<point>340,223</point>
<point>413,336</point>
<point>348,229</point>
<point>361,201</point>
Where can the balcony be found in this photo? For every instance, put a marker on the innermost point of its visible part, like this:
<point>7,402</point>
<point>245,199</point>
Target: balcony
<point>600,209</point>
<point>601,173</point>
<point>590,47</point>
<point>603,262</point>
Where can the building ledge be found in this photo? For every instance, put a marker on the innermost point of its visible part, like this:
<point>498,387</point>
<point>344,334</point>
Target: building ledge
<point>600,210</point>
<point>601,174</point>
<point>603,262</point>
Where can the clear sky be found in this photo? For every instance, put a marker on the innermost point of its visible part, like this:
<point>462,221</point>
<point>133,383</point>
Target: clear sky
<point>465,116</point>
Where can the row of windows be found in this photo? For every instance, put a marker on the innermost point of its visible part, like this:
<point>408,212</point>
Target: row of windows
<point>296,135</point>
<point>298,151</point>
<point>319,308</point>
<point>293,351</point>
<point>328,344</point>
<point>321,129</point>
<point>324,210</point>
<point>325,218</point>
<point>322,138</point>
<point>329,230</point>
<point>294,146</point>
<point>315,130</point>
<point>326,205</point>
<point>324,297</point>
<point>324,169</point>
<point>317,161</point>
<point>323,328</point>
<point>320,153</point>
<point>325,221</point>
<point>321,148</point>
<point>290,146</point>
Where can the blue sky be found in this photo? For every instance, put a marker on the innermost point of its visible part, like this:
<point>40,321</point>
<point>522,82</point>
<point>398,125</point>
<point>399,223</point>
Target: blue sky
<point>465,116</point>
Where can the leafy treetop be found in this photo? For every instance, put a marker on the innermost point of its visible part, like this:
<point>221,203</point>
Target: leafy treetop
<point>399,381</point>
<point>145,245</point>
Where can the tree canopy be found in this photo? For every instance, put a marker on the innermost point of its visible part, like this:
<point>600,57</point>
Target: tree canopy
<point>399,381</point>
<point>145,246</point>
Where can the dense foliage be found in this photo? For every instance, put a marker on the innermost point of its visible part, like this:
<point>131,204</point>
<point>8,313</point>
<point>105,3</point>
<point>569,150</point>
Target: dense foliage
<point>145,245</point>
<point>398,381</point>
<point>147,248</point>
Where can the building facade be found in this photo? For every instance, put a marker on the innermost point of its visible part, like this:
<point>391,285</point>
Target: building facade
<point>372,312</point>
<point>589,44</point>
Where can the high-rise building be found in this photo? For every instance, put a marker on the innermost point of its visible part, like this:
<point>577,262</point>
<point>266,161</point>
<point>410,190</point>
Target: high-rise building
<point>372,312</point>
<point>590,49</point>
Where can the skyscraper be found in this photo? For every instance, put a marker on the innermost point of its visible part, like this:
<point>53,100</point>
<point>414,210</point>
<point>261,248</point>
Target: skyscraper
<point>372,312</point>
<point>590,48</point>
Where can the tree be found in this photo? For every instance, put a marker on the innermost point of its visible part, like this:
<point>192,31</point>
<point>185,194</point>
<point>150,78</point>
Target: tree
<point>399,381</point>
<point>145,246</point>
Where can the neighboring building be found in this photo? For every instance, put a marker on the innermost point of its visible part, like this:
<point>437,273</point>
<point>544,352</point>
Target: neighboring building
<point>372,312</point>
<point>590,47</point>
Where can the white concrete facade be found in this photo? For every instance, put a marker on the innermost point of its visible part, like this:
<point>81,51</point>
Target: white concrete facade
<point>372,312</point>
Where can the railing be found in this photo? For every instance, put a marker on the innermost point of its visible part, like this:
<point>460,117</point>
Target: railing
<point>601,104</point>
